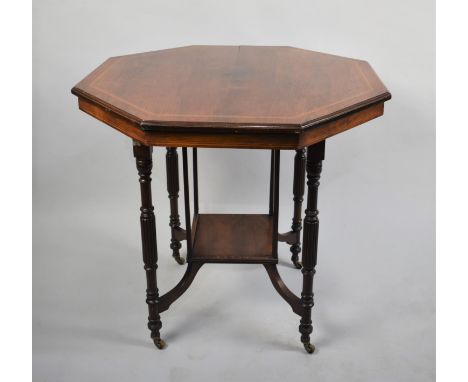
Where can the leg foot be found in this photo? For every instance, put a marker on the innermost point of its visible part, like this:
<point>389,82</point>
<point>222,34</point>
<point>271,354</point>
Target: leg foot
<point>159,343</point>
<point>179,259</point>
<point>295,250</point>
<point>309,347</point>
<point>175,246</point>
<point>297,264</point>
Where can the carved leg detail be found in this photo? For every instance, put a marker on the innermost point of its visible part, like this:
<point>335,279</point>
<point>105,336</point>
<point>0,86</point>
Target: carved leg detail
<point>172,170</point>
<point>315,155</point>
<point>144,163</point>
<point>298,192</point>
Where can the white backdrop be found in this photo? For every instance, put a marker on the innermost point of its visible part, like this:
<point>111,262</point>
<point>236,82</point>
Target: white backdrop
<point>374,317</point>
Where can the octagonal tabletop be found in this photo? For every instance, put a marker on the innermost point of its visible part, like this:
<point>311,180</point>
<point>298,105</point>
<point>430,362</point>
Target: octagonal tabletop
<point>232,96</point>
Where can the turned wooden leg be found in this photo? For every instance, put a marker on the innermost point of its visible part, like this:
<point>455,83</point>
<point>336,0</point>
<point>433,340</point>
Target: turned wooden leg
<point>315,155</point>
<point>272,169</point>
<point>293,237</point>
<point>195,180</point>
<point>298,192</point>
<point>144,164</point>
<point>172,171</point>
<point>275,188</point>
<point>188,219</point>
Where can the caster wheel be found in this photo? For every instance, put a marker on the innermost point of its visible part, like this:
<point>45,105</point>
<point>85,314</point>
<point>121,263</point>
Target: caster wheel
<point>179,260</point>
<point>297,264</point>
<point>309,347</point>
<point>160,344</point>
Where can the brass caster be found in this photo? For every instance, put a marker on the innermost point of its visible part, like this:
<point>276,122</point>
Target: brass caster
<point>297,264</point>
<point>160,344</point>
<point>179,260</point>
<point>309,347</point>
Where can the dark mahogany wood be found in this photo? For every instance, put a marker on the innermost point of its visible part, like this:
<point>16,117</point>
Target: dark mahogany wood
<point>195,180</point>
<point>315,155</point>
<point>236,139</point>
<point>249,87</point>
<point>237,238</point>
<point>298,192</point>
<point>287,237</point>
<point>144,163</point>
<point>276,180</point>
<point>272,170</point>
<point>188,221</point>
<point>293,237</point>
<point>256,96</point>
<point>172,174</point>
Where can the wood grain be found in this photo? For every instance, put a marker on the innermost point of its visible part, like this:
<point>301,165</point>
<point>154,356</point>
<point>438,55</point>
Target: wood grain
<point>174,97</point>
<point>231,238</point>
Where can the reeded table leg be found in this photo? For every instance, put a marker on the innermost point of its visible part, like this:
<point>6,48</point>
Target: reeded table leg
<point>315,155</point>
<point>144,164</point>
<point>172,170</point>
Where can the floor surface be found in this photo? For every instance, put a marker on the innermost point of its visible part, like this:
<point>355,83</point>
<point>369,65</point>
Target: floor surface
<point>373,318</point>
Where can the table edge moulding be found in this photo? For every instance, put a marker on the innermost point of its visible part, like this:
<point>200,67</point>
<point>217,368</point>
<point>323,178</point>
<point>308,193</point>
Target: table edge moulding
<point>191,130</point>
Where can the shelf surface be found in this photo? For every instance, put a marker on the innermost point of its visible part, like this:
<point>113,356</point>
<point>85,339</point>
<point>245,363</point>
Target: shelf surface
<point>228,238</point>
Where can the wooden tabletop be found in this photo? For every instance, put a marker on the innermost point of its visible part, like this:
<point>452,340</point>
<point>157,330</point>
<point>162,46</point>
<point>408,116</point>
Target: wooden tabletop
<point>232,96</point>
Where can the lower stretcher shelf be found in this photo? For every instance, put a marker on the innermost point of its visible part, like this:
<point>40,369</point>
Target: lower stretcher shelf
<point>233,238</point>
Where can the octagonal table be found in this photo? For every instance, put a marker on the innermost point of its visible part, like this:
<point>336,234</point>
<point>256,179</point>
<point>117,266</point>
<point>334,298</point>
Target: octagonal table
<point>250,97</point>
